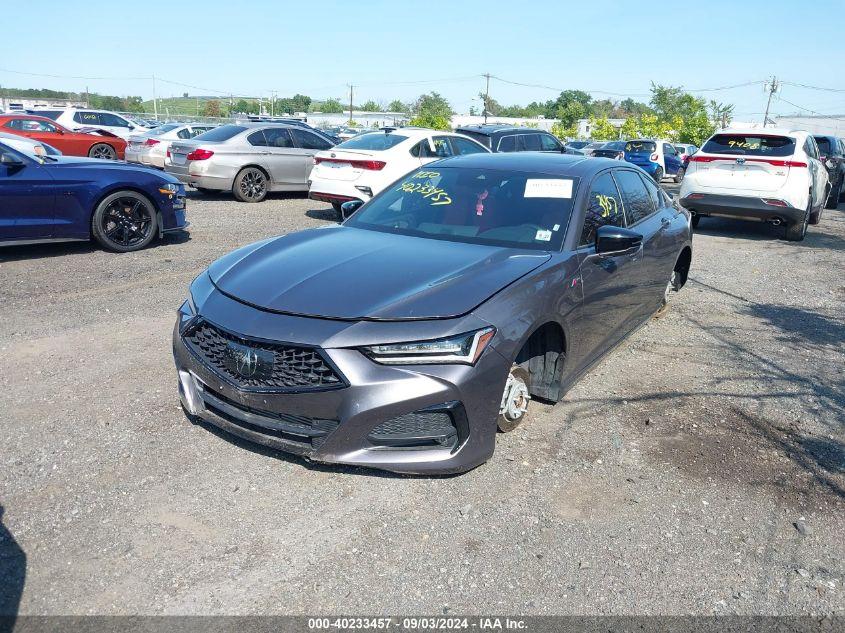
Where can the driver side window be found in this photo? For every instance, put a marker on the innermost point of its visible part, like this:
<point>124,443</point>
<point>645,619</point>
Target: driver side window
<point>604,207</point>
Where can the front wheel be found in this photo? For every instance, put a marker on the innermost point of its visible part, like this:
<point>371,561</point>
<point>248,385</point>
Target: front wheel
<point>658,175</point>
<point>514,407</point>
<point>250,185</point>
<point>103,151</point>
<point>125,221</point>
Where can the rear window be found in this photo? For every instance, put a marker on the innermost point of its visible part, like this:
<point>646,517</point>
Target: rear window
<point>750,145</point>
<point>484,139</point>
<point>824,144</point>
<point>50,114</point>
<point>166,127</point>
<point>222,133</point>
<point>640,146</point>
<point>375,141</point>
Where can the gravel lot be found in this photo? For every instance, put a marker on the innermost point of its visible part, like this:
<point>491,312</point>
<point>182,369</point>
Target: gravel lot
<point>673,479</point>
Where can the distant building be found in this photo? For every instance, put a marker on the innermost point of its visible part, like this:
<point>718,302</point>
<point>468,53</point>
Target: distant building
<point>584,127</point>
<point>35,103</point>
<point>363,119</point>
<point>832,125</point>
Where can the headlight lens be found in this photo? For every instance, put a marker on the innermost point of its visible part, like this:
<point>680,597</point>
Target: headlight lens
<point>168,189</point>
<point>463,348</point>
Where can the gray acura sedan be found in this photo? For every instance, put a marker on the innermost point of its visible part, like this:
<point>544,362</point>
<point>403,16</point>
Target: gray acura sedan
<point>404,338</point>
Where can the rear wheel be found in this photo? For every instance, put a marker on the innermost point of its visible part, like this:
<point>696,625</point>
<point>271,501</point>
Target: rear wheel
<point>514,408</point>
<point>667,293</point>
<point>103,151</point>
<point>797,231</point>
<point>250,185</point>
<point>658,175</point>
<point>125,221</point>
<point>680,175</point>
<point>337,210</point>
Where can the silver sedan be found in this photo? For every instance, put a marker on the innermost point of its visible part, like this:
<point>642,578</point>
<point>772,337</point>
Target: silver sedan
<point>249,159</point>
<point>150,148</point>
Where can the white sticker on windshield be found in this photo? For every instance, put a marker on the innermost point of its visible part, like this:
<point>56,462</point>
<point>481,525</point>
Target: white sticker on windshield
<point>543,235</point>
<point>548,188</point>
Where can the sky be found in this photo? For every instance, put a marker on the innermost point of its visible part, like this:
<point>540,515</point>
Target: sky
<point>398,49</point>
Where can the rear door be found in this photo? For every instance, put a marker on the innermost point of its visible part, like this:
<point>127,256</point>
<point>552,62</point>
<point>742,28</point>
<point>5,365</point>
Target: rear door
<point>284,161</point>
<point>757,162</point>
<point>671,158</point>
<point>818,172</point>
<point>309,144</point>
<point>28,193</point>
<point>610,283</point>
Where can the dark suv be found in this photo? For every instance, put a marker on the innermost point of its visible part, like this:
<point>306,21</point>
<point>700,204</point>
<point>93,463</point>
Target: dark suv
<point>507,138</point>
<point>832,154</point>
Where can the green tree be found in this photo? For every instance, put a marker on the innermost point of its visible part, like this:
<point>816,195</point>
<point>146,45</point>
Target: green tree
<point>212,108</point>
<point>564,131</point>
<point>720,113</point>
<point>431,120</point>
<point>602,130</point>
<point>630,128</point>
<point>397,106</point>
<point>331,106</point>
<point>371,106</point>
<point>432,104</point>
<point>491,106</point>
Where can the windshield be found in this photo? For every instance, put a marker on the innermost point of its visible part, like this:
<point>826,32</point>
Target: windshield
<point>617,145</point>
<point>750,145</point>
<point>476,206</point>
<point>222,133</point>
<point>373,141</point>
<point>165,127</point>
<point>640,146</point>
<point>578,144</point>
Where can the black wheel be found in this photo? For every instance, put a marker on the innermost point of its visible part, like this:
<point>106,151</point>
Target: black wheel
<point>250,185</point>
<point>680,175</point>
<point>337,210</point>
<point>125,221</point>
<point>102,150</point>
<point>207,192</point>
<point>796,231</point>
<point>658,175</point>
<point>515,398</point>
<point>695,220</point>
<point>833,197</point>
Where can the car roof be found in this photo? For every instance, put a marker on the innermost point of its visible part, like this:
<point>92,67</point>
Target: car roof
<point>493,128</point>
<point>763,131</point>
<point>534,162</point>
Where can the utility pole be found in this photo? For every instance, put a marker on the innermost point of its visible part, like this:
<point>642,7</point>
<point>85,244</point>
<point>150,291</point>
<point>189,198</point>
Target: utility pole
<point>272,103</point>
<point>350,103</point>
<point>486,96</point>
<point>87,98</point>
<point>772,88</point>
<point>155,104</point>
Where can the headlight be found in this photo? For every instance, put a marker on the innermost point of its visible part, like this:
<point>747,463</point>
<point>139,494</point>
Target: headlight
<point>463,348</point>
<point>168,189</point>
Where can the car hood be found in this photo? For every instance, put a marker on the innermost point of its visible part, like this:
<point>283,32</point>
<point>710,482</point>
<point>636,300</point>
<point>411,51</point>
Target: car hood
<point>349,273</point>
<point>78,162</point>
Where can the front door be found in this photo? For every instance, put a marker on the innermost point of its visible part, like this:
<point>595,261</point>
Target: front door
<point>608,281</point>
<point>28,194</point>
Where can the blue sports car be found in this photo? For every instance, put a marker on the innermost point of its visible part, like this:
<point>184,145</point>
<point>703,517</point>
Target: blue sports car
<point>63,198</point>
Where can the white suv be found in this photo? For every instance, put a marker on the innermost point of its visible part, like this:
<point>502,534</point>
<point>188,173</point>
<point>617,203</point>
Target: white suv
<point>767,175</point>
<point>77,119</point>
<point>360,167</point>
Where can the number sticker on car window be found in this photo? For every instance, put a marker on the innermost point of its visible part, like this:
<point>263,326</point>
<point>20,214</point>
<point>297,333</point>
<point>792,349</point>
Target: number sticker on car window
<point>744,144</point>
<point>608,204</point>
<point>428,191</point>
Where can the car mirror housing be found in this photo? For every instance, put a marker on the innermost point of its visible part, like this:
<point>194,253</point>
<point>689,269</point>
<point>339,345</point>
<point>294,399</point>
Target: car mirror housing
<point>11,161</point>
<point>616,239</point>
<point>348,208</point>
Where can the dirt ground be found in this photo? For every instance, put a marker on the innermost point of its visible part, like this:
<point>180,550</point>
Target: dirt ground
<point>700,469</point>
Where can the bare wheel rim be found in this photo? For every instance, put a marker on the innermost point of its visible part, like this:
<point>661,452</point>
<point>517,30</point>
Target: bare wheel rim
<point>253,185</point>
<point>102,151</point>
<point>127,221</point>
<point>670,287</point>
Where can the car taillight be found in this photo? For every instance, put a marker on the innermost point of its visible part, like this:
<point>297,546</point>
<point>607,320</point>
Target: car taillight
<point>168,153</point>
<point>200,154</point>
<point>654,157</point>
<point>372,165</point>
<point>768,161</point>
<point>151,141</point>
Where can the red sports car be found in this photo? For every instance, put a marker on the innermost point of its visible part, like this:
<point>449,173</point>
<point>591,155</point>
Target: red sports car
<point>39,128</point>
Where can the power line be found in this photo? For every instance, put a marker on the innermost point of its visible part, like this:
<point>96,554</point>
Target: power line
<point>792,83</point>
<point>826,116</point>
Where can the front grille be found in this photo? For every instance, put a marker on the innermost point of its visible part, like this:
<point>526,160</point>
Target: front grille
<point>259,365</point>
<point>296,429</point>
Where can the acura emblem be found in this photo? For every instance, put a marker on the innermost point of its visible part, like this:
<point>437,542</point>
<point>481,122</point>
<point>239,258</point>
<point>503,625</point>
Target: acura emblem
<point>246,363</point>
<point>334,155</point>
<point>740,161</point>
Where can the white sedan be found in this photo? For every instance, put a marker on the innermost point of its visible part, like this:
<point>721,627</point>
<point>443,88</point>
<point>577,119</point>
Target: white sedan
<point>361,167</point>
<point>150,148</point>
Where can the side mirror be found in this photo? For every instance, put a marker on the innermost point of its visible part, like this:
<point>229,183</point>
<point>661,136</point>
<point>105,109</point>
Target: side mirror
<point>348,208</point>
<point>11,161</point>
<point>615,239</point>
